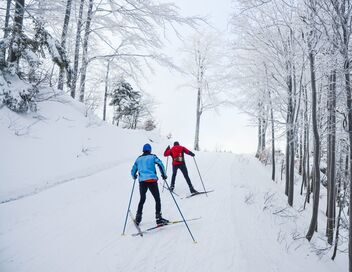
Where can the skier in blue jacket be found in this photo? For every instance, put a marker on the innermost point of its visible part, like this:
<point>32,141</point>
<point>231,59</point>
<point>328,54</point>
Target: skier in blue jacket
<point>145,167</point>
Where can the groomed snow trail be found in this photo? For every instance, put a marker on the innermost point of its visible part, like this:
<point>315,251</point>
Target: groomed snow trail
<point>77,226</point>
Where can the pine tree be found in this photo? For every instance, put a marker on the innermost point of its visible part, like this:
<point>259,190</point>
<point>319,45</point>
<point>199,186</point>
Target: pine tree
<point>126,103</point>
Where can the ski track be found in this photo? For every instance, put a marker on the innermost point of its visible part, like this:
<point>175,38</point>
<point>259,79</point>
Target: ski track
<point>58,181</point>
<point>77,226</point>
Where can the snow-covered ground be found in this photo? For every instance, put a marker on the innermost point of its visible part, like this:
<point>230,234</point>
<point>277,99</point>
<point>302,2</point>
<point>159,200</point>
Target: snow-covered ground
<point>65,185</point>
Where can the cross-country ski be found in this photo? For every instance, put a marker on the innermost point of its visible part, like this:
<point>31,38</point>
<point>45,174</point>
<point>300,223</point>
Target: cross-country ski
<point>164,225</point>
<point>198,193</point>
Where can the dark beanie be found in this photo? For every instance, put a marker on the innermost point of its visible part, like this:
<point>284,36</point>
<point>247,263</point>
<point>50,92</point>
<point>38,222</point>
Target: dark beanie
<point>176,143</point>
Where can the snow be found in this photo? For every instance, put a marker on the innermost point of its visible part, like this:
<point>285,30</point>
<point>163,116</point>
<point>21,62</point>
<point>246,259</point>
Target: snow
<point>65,185</point>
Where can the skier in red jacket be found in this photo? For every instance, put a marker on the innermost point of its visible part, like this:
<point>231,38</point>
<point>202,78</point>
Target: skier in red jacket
<point>178,162</point>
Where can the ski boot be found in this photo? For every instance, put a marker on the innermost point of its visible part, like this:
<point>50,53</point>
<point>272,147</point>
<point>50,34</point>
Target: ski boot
<point>138,218</point>
<point>193,191</point>
<point>160,220</point>
<point>172,187</point>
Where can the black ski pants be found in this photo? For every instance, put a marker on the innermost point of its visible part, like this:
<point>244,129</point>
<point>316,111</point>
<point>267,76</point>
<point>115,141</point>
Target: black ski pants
<point>184,171</point>
<point>153,188</point>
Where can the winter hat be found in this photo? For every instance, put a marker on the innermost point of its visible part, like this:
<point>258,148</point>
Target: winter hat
<point>176,143</point>
<point>147,148</point>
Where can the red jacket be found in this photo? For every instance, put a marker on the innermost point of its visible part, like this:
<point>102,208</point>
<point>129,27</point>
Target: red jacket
<point>177,154</point>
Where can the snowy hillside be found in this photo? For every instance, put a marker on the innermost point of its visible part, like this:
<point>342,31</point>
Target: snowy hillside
<point>65,184</point>
<point>58,144</point>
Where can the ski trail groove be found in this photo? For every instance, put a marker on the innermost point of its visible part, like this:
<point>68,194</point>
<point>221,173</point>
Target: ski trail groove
<point>49,185</point>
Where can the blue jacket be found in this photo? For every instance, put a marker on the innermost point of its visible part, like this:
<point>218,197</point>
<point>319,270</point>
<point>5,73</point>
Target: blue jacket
<point>145,165</point>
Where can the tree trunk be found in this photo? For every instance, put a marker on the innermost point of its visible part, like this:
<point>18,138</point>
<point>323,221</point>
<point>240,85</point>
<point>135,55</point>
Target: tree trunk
<point>341,202</point>
<point>273,163</point>
<point>291,186</point>
<point>257,155</point>
<point>77,47</point>
<point>17,29</point>
<point>290,138</point>
<point>331,158</point>
<point>287,157</point>
<point>7,19</point>
<point>349,110</point>
<point>85,51</point>
<point>305,144</point>
<point>106,89</point>
<point>309,187</point>
<point>198,114</point>
<point>60,85</point>
<point>264,127</point>
<point>6,33</point>
<point>300,150</point>
<point>316,187</point>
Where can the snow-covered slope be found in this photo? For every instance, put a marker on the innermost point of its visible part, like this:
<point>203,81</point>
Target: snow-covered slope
<point>57,144</point>
<point>65,185</point>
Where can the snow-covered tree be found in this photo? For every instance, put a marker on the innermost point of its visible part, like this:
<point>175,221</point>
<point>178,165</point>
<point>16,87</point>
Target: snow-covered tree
<point>292,59</point>
<point>126,103</point>
<point>204,59</point>
<point>25,56</point>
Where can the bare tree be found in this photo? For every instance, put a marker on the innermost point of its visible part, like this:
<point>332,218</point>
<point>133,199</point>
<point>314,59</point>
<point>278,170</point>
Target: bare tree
<point>203,67</point>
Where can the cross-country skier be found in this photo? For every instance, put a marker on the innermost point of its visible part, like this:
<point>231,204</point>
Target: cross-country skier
<point>178,162</point>
<point>145,166</point>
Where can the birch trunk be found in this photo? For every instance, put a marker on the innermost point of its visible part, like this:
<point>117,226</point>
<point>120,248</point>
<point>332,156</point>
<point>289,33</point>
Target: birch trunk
<point>60,85</point>
<point>77,47</point>
<point>85,51</point>
<point>198,114</point>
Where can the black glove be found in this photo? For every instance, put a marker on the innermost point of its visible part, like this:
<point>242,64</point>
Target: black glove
<point>168,147</point>
<point>192,154</point>
<point>135,176</point>
<point>164,176</point>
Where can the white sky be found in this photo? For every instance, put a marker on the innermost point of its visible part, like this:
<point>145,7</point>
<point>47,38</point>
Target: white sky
<point>228,129</point>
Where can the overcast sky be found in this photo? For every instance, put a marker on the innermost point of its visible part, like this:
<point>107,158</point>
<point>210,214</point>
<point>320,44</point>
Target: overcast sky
<point>228,129</point>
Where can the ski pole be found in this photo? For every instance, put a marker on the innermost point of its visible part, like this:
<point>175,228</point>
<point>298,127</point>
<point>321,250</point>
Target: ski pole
<point>128,209</point>
<point>200,177</point>
<point>167,162</point>
<point>184,220</point>
<point>173,192</point>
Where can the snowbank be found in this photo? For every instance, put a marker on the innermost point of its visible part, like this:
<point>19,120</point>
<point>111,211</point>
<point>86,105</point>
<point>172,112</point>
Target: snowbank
<point>59,143</point>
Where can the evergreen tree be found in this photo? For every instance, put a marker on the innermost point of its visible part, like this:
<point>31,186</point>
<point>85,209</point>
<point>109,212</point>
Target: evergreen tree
<point>126,103</point>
